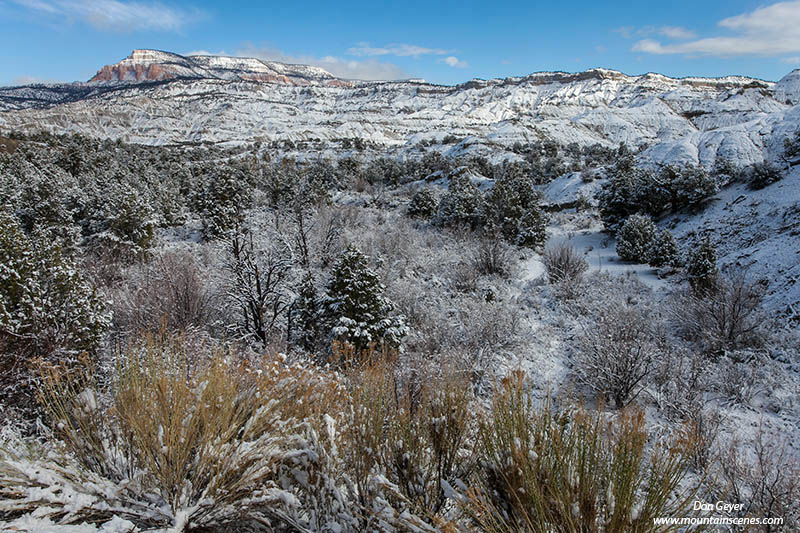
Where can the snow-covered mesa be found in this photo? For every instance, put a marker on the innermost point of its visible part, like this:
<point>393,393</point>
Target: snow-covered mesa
<point>157,97</point>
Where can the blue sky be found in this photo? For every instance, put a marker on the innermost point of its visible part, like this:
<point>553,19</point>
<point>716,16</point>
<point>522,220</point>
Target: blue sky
<point>441,41</point>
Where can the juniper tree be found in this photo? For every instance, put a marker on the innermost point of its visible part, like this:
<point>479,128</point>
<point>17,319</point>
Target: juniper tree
<point>355,309</point>
<point>663,250</point>
<point>423,204</point>
<point>701,268</point>
<point>635,239</point>
<point>47,309</point>
<point>463,204</point>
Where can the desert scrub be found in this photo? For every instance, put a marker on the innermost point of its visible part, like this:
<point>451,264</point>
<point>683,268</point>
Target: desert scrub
<point>183,438</point>
<point>568,470</point>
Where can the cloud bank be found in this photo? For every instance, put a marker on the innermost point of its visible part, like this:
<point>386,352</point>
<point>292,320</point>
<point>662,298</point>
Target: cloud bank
<point>767,31</point>
<point>115,15</point>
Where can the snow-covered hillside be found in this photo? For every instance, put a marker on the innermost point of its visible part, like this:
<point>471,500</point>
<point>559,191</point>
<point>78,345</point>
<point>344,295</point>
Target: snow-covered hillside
<point>160,98</point>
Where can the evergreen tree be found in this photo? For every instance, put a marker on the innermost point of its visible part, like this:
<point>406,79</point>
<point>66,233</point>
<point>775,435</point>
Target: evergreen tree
<point>306,315</point>
<point>47,309</point>
<point>513,206</point>
<point>462,205</point>
<point>664,249</point>
<point>635,239</point>
<point>701,269</point>
<point>355,309</point>
<point>423,204</point>
<point>223,203</point>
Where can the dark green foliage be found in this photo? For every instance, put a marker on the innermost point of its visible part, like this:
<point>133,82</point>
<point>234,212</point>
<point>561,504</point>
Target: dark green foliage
<point>223,204</point>
<point>306,316</point>
<point>632,190</point>
<point>463,205</point>
<point>47,309</point>
<point>762,175</point>
<point>355,309</point>
<point>663,250</point>
<point>635,239</point>
<point>792,146</point>
<point>701,269</point>
<point>513,206</point>
<point>423,204</point>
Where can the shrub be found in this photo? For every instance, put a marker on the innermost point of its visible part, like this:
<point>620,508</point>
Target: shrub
<point>547,470</point>
<point>513,207</point>
<point>169,292</point>
<point>762,175</point>
<point>663,250</point>
<point>564,264</point>
<point>727,317</point>
<point>185,440</point>
<point>701,268</point>
<point>635,239</point>
<point>492,257</point>
<point>47,309</point>
<point>423,204</point>
<point>615,353</point>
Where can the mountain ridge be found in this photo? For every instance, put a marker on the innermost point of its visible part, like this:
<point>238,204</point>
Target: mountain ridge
<point>221,99</point>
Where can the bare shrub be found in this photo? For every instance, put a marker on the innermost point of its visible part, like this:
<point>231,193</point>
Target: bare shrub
<point>564,264</point>
<point>544,469</point>
<point>616,353</point>
<point>766,481</point>
<point>169,292</point>
<point>493,256</point>
<point>729,317</point>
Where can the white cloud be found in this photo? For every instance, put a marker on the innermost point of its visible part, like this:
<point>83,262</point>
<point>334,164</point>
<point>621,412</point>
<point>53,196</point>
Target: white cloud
<point>115,15</point>
<point>369,69</point>
<point>791,60</point>
<point>671,32</point>
<point>454,62</point>
<point>767,31</point>
<point>676,32</point>
<point>364,49</point>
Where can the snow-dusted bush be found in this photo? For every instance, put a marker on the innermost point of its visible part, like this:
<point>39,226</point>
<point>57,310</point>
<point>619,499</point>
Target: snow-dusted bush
<point>663,250</point>
<point>182,440</point>
<point>635,239</point>
<point>544,469</point>
<point>170,291</point>
<point>354,306</point>
<point>564,264</point>
<point>423,204</point>
<point>727,317</point>
<point>762,175</point>
<point>492,256</point>
<point>763,474</point>
<point>47,309</point>
<point>701,268</point>
<point>615,353</point>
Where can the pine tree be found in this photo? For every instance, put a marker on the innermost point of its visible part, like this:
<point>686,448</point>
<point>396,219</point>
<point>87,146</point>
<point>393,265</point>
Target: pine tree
<point>513,206</point>
<point>635,239</point>
<point>355,309</point>
<point>701,269</point>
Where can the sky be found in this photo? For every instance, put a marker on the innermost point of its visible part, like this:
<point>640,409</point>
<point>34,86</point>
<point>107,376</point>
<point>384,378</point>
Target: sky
<point>441,41</point>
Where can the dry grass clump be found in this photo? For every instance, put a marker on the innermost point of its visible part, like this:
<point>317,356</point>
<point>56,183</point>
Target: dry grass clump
<point>564,264</point>
<point>548,470</point>
<point>178,441</point>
